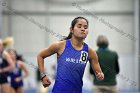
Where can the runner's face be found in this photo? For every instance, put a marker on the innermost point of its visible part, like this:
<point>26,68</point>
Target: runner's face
<point>13,55</point>
<point>80,29</point>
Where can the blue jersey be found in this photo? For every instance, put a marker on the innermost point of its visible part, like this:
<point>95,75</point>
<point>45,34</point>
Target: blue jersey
<point>70,69</point>
<point>14,74</point>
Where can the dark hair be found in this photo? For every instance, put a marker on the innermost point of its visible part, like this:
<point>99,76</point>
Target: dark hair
<point>69,36</point>
<point>74,21</point>
<point>20,57</point>
<point>102,41</point>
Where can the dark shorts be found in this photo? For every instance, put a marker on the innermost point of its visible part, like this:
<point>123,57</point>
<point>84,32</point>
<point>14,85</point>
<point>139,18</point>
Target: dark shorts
<point>17,85</point>
<point>3,79</point>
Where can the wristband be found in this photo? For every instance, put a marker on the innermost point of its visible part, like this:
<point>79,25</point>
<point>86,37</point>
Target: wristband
<point>43,77</point>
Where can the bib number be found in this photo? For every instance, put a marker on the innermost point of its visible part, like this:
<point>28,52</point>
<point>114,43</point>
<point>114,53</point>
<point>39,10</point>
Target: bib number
<point>84,56</point>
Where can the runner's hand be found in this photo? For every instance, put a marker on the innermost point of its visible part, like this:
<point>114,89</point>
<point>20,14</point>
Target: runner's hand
<point>46,82</point>
<point>99,75</point>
